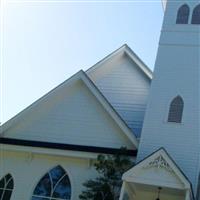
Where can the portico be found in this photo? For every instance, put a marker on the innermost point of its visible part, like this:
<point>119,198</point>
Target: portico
<point>156,177</point>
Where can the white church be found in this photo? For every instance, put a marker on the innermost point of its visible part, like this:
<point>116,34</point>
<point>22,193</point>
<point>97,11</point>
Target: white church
<point>47,151</point>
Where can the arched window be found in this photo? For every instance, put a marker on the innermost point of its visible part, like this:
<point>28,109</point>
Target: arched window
<point>196,15</point>
<point>6,187</point>
<point>176,110</point>
<point>183,14</point>
<point>54,185</point>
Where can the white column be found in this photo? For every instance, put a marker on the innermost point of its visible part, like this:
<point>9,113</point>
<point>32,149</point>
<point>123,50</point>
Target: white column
<point>122,191</point>
<point>187,195</point>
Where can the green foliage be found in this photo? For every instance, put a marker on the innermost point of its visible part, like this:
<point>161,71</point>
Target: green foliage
<point>107,185</point>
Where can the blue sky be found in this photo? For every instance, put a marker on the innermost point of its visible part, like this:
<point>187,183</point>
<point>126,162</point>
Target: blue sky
<point>45,42</point>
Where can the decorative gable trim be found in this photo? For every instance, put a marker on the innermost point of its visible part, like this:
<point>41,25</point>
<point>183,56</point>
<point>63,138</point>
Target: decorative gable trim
<point>81,75</point>
<point>159,162</point>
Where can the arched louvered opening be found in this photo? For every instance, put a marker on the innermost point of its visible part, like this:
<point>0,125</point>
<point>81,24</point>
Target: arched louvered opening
<point>6,187</point>
<point>196,15</point>
<point>54,185</point>
<point>183,14</point>
<point>176,110</point>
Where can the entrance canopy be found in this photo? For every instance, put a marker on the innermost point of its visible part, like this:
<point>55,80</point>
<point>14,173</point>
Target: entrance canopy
<point>156,174</point>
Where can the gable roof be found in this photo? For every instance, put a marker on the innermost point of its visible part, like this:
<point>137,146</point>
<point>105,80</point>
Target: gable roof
<point>125,49</point>
<point>159,159</point>
<point>81,75</point>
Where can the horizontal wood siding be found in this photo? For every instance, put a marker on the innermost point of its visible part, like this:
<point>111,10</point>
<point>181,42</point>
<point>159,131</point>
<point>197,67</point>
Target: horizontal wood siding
<point>27,169</point>
<point>126,88</point>
<point>72,116</point>
<point>177,72</point>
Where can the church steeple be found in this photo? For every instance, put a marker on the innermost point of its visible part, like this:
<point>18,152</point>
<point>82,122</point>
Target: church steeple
<point>172,118</point>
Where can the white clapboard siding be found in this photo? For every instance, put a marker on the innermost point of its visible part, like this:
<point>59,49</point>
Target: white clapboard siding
<point>72,115</point>
<point>176,73</point>
<point>27,170</point>
<point>126,87</point>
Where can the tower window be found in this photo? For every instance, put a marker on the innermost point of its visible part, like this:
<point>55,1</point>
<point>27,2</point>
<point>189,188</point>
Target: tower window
<point>54,185</point>
<point>6,187</point>
<point>183,14</point>
<point>176,110</point>
<point>196,15</point>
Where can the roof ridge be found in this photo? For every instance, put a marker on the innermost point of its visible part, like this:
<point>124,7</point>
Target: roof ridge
<point>129,52</point>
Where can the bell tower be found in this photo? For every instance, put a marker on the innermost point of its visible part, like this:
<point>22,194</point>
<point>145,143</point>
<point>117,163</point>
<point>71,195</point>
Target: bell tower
<point>172,119</point>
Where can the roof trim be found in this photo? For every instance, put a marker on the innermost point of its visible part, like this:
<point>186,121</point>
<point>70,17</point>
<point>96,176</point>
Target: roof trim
<point>129,52</point>
<point>109,108</point>
<point>17,117</point>
<point>81,75</point>
<point>60,146</point>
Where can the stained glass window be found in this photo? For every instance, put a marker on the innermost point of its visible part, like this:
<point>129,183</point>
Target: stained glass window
<point>176,110</point>
<point>6,187</point>
<point>183,14</point>
<point>54,185</point>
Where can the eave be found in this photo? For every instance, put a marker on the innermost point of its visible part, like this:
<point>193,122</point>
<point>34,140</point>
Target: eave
<point>62,146</point>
